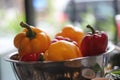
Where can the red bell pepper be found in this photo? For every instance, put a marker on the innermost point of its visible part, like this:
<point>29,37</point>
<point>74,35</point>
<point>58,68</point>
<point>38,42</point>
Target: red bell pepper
<point>58,38</point>
<point>32,57</point>
<point>94,43</point>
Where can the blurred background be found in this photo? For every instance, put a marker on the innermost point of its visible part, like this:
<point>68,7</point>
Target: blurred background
<point>52,16</point>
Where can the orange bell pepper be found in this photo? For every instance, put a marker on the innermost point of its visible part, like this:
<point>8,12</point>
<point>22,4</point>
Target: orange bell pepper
<point>74,33</point>
<point>62,50</point>
<point>31,40</point>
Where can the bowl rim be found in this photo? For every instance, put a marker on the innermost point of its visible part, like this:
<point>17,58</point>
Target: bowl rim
<point>111,47</point>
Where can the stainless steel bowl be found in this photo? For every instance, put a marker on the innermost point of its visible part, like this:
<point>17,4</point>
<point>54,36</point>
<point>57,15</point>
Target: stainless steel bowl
<point>84,68</point>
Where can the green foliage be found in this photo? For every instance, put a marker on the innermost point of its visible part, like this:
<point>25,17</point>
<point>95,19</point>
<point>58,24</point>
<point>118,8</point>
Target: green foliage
<point>107,24</point>
<point>14,24</point>
<point>11,25</point>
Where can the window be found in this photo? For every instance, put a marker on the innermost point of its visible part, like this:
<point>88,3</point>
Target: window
<point>98,13</point>
<point>11,13</point>
<point>53,15</point>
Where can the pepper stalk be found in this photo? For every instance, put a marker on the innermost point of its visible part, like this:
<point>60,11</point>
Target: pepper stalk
<point>30,33</point>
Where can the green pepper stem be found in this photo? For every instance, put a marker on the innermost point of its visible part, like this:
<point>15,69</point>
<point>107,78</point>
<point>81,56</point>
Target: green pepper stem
<point>30,33</point>
<point>93,30</point>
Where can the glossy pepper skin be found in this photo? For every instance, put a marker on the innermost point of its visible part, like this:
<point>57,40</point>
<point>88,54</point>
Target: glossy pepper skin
<point>62,50</point>
<point>31,40</point>
<point>74,33</point>
<point>94,43</point>
<point>32,57</point>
